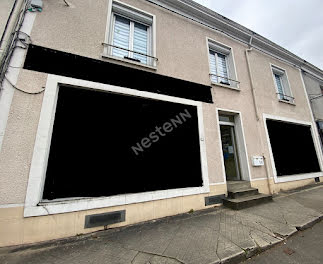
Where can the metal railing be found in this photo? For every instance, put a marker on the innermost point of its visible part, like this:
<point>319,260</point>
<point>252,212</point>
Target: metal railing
<point>286,97</point>
<point>225,78</point>
<point>136,52</point>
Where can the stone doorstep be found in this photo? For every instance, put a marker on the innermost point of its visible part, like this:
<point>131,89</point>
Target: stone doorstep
<point>242,193</point>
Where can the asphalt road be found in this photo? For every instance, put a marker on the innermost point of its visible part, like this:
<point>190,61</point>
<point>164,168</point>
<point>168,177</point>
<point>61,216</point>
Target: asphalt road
<point>304,247</point>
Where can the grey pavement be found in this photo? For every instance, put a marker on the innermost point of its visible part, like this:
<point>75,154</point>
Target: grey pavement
<point>218,235</point>
<point>304,247</point>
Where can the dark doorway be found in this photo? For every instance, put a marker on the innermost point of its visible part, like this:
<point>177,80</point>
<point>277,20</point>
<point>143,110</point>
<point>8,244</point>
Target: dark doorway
<point>230,154</point>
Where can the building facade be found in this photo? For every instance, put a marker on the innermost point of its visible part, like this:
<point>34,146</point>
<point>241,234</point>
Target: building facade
<point>314,88</point>
<point>144,109</point>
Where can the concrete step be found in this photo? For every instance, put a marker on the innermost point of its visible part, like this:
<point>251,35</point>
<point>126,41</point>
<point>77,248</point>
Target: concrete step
<point>245,202</point>
<point>237,185</point>
<point>237,193</point>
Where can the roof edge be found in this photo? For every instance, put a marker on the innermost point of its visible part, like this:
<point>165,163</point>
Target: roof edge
<point>214,20</point>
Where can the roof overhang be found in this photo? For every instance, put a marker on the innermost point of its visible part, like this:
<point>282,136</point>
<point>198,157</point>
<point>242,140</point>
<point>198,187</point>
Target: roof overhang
<point>215,21</point>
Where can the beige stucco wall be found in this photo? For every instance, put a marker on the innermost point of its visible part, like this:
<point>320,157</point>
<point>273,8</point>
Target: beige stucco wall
<point>14,229</point>
<point>182,53</point>
<point>274,188</point>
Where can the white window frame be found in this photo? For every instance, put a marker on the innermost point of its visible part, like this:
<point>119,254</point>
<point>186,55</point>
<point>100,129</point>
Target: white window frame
<point>227,51</point>
<point>134,15</point>
<point>294,177</point>
<point>287,91</point>
<point>38,167</point>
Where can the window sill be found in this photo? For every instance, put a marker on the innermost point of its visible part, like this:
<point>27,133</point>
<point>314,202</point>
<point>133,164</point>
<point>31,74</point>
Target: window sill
<point>79,204</point>
<point>297,177</point>
<point>286,102</point>
<point>225,86</point>
<point>106,56</point>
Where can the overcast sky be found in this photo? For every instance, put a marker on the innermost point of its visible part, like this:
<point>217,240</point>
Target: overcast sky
<point>293,24</point>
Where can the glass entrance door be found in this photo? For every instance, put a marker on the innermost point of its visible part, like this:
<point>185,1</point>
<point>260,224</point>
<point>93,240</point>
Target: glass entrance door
<point>230,155</point>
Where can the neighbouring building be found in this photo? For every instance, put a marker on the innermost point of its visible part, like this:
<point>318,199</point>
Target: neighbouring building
<point>314,87</point>
<point>115,112</point>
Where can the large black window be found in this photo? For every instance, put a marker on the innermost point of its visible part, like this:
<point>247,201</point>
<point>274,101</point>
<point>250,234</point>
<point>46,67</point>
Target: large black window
<point>293,148</point>
<point>106,144</point>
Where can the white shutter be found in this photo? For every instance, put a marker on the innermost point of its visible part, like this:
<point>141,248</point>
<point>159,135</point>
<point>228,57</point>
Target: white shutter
<point>222,68</point>
<point>140,40</point>
<point>213,70</point>
<point>279,86</point>
<point>121,34</point>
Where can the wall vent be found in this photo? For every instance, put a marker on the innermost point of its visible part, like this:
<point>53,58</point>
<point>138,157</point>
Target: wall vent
<point>215,199</point>
<point>317,179</point>
<point>104,219</point>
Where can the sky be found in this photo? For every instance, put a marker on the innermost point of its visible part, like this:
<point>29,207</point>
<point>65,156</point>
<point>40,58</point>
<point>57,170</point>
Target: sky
<point>296,25</point>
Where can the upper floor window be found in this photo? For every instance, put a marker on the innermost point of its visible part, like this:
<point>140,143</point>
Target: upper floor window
<point>131,34</point>
<point>222,69</point>
<point>282,85</point>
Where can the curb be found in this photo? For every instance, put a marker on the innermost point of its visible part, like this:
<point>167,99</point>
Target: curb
<point>247,255</point>
<point>309,223</point>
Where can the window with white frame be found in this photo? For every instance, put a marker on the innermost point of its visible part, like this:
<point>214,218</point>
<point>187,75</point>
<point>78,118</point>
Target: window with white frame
<point>131,34</point>
<point>221,64</point>
<point>282,85</point>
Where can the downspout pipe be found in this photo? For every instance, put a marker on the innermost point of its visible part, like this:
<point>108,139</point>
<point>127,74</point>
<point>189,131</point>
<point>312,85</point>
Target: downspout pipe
<point>10,36</point>
<point>8,21</point>
<point>253,91</point>
<point>251,78</point>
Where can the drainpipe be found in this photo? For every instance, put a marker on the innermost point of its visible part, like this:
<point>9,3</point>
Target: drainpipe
<point>251,79</point>
<point>256,110</point>
<point>9,35</point>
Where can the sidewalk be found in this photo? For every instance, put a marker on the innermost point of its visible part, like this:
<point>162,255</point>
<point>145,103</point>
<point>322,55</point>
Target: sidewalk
<point>213,236</point>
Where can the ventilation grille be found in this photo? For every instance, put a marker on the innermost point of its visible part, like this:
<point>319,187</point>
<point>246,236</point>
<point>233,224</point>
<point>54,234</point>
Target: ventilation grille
<point>104,219</point>
<point>216,199</point>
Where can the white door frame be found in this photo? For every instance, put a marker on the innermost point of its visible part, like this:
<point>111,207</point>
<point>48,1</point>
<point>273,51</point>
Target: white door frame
<point>240,141</point>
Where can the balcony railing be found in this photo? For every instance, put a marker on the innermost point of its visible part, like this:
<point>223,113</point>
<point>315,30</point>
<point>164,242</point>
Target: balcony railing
<point>226,79</point>
<point>132,51</point>
<point>286,98</point>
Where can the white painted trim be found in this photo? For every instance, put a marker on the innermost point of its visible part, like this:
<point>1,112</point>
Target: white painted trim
<point>106,49</point>
<point>42,146</point>
<point>235,86</point>
<point>220,147</point>
<point>130,62</point>
<point>287,119</point>
<point>202,146</point>
<point>294,177</point>
<point>242,149</point>
<point>298,177</point>
<point>151,35</point>
<point>225,86</point>
<point>17,59</point>
<point>286,102</point>
<point>272,68</point>
<point>225,123</point>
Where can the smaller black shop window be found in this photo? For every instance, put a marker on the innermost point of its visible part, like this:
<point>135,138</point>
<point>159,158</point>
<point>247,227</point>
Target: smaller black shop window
<point>293,148</point>
<point>106,144</point>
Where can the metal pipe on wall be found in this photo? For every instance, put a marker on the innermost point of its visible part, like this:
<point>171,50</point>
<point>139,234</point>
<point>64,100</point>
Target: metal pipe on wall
<point>8,38</point>
<point>253,91</point>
